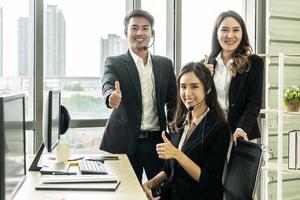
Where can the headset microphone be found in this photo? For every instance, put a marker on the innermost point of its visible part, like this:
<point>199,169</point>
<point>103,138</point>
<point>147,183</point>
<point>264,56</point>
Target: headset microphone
<point>147,47</point>
<point>191,108</point>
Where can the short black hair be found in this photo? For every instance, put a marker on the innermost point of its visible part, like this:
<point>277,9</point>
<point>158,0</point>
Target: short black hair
<point>139,13</point>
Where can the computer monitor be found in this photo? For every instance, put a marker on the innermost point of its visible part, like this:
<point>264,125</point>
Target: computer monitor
<point>12,144</point>
<point>51,120</point>
<point>51,126</point>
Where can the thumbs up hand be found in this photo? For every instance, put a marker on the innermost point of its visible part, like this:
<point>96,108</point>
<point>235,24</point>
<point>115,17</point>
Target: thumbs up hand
<point>209,66</point>
<point>115,98</point>
<point>166,150</point>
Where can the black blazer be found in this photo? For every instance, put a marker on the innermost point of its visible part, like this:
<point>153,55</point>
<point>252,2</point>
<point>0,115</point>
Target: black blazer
<point>245,97</point>
<point>123,126</point>
<point>209,153</point>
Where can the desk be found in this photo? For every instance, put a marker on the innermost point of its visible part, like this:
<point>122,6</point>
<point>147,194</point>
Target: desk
<point>129,188</point>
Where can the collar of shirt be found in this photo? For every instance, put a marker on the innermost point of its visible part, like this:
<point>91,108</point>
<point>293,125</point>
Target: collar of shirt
<point>197,121</point>
<point>221,63</point>
<point>139,61</point>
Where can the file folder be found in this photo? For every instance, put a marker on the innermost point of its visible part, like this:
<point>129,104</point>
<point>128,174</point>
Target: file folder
<point>292,149</point>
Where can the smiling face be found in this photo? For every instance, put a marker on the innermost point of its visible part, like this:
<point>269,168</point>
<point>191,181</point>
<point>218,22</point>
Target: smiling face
<point>191,90</point>
<point>138,33</point>
<point>229,35</point>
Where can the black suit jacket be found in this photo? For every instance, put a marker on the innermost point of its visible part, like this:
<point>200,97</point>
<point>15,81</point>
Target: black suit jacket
<point>123,126</point>
<point>208,150</point>
<point>245,97</point>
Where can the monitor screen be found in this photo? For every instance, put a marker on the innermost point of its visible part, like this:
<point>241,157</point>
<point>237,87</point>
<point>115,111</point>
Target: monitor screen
<point>52,117</point>
<point>12,139</point>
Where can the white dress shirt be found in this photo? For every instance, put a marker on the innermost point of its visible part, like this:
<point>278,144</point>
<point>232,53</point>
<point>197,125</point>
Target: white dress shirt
<point>149,115</point>
<point>222,80</point>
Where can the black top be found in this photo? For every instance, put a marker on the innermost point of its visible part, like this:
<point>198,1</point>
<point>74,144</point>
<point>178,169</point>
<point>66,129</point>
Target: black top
<point>209,154</point>
<point>245,97</point>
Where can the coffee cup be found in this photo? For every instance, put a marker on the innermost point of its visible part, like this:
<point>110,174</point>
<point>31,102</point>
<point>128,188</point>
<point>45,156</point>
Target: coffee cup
<point>62,152</point>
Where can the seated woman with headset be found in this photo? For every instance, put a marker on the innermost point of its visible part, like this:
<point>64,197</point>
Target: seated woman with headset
<point>195,156</point>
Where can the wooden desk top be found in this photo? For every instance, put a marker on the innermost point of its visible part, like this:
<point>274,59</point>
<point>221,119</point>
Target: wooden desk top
<point>129,188</point>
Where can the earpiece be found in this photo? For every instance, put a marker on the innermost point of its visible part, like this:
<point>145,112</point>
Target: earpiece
<point>208,91</point>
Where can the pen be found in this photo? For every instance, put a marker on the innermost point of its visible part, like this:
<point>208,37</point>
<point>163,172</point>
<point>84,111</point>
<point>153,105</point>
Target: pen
<point>64,173</point>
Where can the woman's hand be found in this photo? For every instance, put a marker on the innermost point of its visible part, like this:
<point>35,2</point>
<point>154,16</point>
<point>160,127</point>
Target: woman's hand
<point>166,150</point>
<point>147,190</point>
<point>209,66</point>
<point>239,133</point>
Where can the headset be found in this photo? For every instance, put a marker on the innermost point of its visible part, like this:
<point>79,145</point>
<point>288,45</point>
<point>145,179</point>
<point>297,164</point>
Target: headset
<point>191,108</point>
<point>153,40</point>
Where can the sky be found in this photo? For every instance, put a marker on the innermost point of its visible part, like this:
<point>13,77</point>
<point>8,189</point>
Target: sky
<point>89,20</point>
<point>11,13</point>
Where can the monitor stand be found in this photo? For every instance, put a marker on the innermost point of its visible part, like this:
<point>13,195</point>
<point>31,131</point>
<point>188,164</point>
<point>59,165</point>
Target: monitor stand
<point>49,168</point>
<point>34,165</point>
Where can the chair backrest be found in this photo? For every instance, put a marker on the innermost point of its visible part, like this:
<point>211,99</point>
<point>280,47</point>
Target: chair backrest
<point>242,170</point>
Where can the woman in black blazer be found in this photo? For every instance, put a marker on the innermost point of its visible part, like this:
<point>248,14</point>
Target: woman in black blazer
<point>196,154</point>
<point>237,74</point>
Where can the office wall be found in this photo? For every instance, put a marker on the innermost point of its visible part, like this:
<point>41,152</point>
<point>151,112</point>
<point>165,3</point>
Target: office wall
<point>282,35</point>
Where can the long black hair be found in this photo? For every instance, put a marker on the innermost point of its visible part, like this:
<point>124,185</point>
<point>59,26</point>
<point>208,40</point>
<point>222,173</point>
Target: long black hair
<point>203,74</point>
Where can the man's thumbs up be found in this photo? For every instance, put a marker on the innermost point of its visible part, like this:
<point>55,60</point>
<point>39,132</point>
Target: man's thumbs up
<point>115,98</point>
<point>117,86</point>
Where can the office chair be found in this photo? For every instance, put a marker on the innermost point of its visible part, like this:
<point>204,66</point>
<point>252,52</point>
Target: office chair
<point>242,170</point>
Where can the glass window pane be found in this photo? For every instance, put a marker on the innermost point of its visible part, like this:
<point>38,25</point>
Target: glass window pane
<point>16,50</point>
<point>158,8</point>
<point>78,36</point>
<point>84,140</point>
<point>197,25</point>
<point>16,55</point>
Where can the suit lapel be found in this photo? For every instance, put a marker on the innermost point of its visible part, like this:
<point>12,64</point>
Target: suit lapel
<point>237,87</point>
<point>173,163</point>
<point>157,71</point>
<point>134,74</point>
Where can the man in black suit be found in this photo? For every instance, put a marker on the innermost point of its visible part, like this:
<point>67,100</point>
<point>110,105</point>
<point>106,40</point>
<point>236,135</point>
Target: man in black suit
<point>138,86</point>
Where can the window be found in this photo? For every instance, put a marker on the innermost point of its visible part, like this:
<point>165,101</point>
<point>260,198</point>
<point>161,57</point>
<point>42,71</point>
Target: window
<point>16,50</point>
<point>78,36</point>
<point>16,53</point>
<point>197,25</point>
<point>158,8</point>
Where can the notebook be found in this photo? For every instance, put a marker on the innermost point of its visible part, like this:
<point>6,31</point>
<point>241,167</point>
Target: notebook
<point>55,168</point>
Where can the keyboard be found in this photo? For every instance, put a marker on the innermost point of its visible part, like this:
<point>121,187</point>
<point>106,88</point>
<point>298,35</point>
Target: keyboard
<point>91,167</point>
